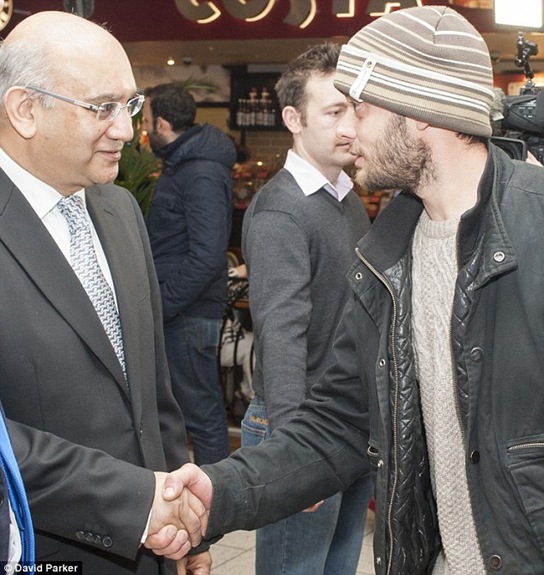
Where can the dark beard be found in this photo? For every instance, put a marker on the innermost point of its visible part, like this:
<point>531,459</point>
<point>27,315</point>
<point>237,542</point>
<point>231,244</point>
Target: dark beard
<point>154,142</point>
<point>397,161</point>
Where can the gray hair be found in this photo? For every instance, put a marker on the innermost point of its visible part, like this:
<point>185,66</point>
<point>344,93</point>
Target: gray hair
<point>24,63</point>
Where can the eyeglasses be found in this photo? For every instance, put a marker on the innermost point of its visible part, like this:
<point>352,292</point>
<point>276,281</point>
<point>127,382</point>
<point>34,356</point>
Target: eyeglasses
<point>105,112</point>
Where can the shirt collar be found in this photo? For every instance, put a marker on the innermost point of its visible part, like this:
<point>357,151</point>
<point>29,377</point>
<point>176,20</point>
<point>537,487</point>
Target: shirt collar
<point>42,197</point>
<point>310,179</point>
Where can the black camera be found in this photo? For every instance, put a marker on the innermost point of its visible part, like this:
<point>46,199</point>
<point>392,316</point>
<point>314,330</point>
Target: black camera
<point>521,128</point>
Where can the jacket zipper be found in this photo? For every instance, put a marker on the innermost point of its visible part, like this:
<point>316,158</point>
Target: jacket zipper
<point>384,281</point>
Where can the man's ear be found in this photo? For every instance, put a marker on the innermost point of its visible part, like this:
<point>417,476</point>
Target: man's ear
<point>20,110</point>
<point>292,119</point>
<point>161,125</point>
<point>421,126</point>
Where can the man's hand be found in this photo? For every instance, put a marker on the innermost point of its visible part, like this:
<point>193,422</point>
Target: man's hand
<point>199,564</point>
<point>183,489</point>
<point>190,477</point>
<point>313,507</point>
<point>169,541</point>
<point>175,524</point>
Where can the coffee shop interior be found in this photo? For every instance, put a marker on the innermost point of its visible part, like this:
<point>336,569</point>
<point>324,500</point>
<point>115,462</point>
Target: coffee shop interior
<point>230,53</point>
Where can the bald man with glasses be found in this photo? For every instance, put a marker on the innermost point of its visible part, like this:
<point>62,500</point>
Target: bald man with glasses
<point>85,384</point>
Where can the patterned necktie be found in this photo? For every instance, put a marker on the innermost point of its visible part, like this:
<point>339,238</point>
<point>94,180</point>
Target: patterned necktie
<point>17,495</point>
<point>85,264</point>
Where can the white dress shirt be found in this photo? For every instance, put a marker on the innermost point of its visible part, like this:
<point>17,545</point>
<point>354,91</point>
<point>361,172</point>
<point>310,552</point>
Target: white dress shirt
<point>310,179</point>
<point>43,200</point>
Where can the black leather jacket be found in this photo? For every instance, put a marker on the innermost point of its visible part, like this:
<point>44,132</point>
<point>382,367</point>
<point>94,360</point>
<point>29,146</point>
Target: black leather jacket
<point>370,398</point>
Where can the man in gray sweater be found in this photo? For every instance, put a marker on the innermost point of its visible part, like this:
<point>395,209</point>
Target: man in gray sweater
<point>298,241</point>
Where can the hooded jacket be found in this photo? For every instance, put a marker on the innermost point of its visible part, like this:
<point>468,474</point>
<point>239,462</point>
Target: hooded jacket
<point>189,222</point>
<point>369,400</point>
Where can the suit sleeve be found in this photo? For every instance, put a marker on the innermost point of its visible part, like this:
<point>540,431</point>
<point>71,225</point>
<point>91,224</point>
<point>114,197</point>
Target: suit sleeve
<point>74,490</point>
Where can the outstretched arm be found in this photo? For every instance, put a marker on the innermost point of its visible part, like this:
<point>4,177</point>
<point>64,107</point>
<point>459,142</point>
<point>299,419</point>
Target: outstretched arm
<point>320,451</point>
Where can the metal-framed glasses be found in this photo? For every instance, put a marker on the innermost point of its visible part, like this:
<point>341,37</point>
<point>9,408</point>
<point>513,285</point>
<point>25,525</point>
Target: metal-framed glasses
<point>105,112</point>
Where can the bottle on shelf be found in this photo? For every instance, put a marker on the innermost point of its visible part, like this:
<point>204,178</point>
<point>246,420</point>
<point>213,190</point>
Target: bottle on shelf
<point>256,110</point>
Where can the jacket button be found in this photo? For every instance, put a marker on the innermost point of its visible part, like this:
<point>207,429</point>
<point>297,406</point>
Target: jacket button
<point>495,562</point>
<point>80,535</point>
<point>475,457</point>
<point>358,276</point>
<point>382,362</point>
<point>107,542</point>
<point>499,257</point>
<point>476,354</point>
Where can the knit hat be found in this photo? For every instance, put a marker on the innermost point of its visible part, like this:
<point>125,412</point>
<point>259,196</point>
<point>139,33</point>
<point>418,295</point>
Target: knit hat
<point>426,63</point>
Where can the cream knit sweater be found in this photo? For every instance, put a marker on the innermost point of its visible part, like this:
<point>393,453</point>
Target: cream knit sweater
<point>434,273</point>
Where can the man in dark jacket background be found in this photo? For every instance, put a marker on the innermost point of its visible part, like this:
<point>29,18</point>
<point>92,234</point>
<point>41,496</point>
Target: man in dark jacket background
<point>189,226</point>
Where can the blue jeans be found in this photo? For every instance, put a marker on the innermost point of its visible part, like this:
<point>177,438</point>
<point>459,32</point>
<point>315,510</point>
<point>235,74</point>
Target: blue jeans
<point>191,348</point>
<point>325,542</point>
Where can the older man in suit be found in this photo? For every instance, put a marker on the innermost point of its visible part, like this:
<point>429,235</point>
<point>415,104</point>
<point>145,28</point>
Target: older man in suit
<point>84,377</point>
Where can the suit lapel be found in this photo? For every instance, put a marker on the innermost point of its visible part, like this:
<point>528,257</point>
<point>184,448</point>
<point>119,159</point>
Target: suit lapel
<point>122,247</point>
<point>28,240</point>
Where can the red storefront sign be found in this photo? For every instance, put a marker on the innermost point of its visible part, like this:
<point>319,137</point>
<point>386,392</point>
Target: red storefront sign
<point>163,20</point>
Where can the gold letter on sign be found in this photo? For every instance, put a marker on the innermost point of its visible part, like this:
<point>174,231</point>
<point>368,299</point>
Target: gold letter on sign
<point>381,7</point>
<point>201,13</point>
<point>302,12</point>
<point>248,10</point>
<point>343,8</point>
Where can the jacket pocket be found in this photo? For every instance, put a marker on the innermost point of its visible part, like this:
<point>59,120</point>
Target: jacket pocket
<point>525,461</point>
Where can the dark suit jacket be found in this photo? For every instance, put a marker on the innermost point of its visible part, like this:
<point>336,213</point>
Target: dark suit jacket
<point>85,444</point>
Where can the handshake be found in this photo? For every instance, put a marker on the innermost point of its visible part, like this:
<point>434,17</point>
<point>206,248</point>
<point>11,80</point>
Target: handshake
<point>180,511</point>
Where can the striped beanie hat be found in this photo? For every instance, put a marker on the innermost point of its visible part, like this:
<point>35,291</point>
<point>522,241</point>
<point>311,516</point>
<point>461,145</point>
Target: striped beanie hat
<point>426,63</point>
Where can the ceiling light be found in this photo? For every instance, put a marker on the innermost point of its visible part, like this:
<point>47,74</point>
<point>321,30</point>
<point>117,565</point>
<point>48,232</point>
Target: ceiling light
<point>170,61</point>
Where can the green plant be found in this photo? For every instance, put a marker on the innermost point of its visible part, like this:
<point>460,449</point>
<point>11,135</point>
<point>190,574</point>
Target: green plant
<point>139,169</point>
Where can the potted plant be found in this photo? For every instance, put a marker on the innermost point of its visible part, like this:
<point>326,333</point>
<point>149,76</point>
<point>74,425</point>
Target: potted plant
<point>138,170</point>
